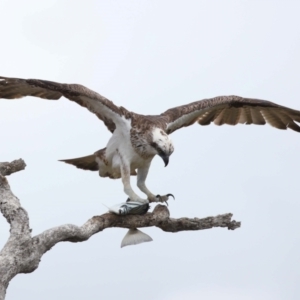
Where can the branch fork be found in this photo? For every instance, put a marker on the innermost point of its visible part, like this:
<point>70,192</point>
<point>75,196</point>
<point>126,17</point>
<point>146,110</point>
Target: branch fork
<point>22,252</point>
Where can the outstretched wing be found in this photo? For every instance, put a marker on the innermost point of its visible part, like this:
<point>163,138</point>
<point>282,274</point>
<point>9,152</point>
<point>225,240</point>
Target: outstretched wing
<point>110,114</point>
<point>231,110</point>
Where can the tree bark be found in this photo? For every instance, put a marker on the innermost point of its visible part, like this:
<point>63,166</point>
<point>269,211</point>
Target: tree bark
<point>22,252</point>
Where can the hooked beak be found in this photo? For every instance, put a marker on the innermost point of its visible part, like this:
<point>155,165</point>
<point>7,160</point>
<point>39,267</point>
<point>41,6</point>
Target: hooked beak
<point>165,158</point>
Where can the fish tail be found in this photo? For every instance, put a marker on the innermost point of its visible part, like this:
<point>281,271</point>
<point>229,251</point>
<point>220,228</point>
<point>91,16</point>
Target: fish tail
<point>134,237</point>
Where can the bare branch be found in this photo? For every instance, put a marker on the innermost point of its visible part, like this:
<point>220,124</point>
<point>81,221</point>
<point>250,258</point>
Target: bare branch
<point>158,218</point>
<point>7,168</point>
<point>13,256</point>
<point>22,253</point>
<point>175,225</point>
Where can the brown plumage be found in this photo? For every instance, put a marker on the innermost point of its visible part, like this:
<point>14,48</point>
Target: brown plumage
<point>221,110</point>
<point>137,138</point>
<point>85,162</point>
<point>232,110</point>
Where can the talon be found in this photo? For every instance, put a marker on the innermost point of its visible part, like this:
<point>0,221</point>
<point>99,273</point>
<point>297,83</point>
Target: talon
<point>164,199</point>
<point>128,199</point>
<point>171,196</point>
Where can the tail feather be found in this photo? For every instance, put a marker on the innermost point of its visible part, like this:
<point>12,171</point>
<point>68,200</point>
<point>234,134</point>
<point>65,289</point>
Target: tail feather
<point>85,162</point>
<point>134,237</point>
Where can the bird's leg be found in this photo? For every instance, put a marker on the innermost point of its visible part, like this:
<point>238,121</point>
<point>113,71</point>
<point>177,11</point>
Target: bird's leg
<point>125,173</point>
<point>141,178</point>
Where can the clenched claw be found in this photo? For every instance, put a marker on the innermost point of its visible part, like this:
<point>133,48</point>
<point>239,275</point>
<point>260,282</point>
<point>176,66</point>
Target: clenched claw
<point>163,199</point>
<point>171,196</point>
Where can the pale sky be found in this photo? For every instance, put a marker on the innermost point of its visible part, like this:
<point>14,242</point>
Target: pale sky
<point>149,56</point>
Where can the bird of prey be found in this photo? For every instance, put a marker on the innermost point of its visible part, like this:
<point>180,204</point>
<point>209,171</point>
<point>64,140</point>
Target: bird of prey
<point>137,138</point>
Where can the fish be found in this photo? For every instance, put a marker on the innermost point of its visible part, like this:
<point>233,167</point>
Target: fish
<point>134,236</point>
<point>129,208</point>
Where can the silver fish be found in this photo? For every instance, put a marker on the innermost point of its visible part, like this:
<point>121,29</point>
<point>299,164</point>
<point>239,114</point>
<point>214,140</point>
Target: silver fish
<point>133,236</point>
<point>129,208</point>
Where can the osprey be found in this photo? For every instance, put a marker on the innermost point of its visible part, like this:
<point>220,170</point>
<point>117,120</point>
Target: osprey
<point>137,138</point>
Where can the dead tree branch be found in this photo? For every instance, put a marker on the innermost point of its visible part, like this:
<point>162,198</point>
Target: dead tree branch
<point>22,252</point>
<point>7,168</point>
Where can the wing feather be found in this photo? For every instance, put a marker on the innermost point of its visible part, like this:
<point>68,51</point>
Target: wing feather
<point>208,117</point>
<point>256,116</point>
<point>229,117</point>
<point>233,116</point>
<point>286,119</point>
<point>104,109</point>
<point>294,115</point>
<point>220,119</point>
<point>245,116</point>
<point>231,110</point>
<point>273,119</point>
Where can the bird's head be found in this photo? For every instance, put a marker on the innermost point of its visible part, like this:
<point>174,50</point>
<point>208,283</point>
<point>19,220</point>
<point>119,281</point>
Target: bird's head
<point>162,144</point>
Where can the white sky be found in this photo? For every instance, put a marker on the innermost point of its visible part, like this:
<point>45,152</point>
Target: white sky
<point>149,56</point>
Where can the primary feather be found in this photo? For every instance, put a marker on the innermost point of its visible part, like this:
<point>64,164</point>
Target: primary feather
<point>137,138</point>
